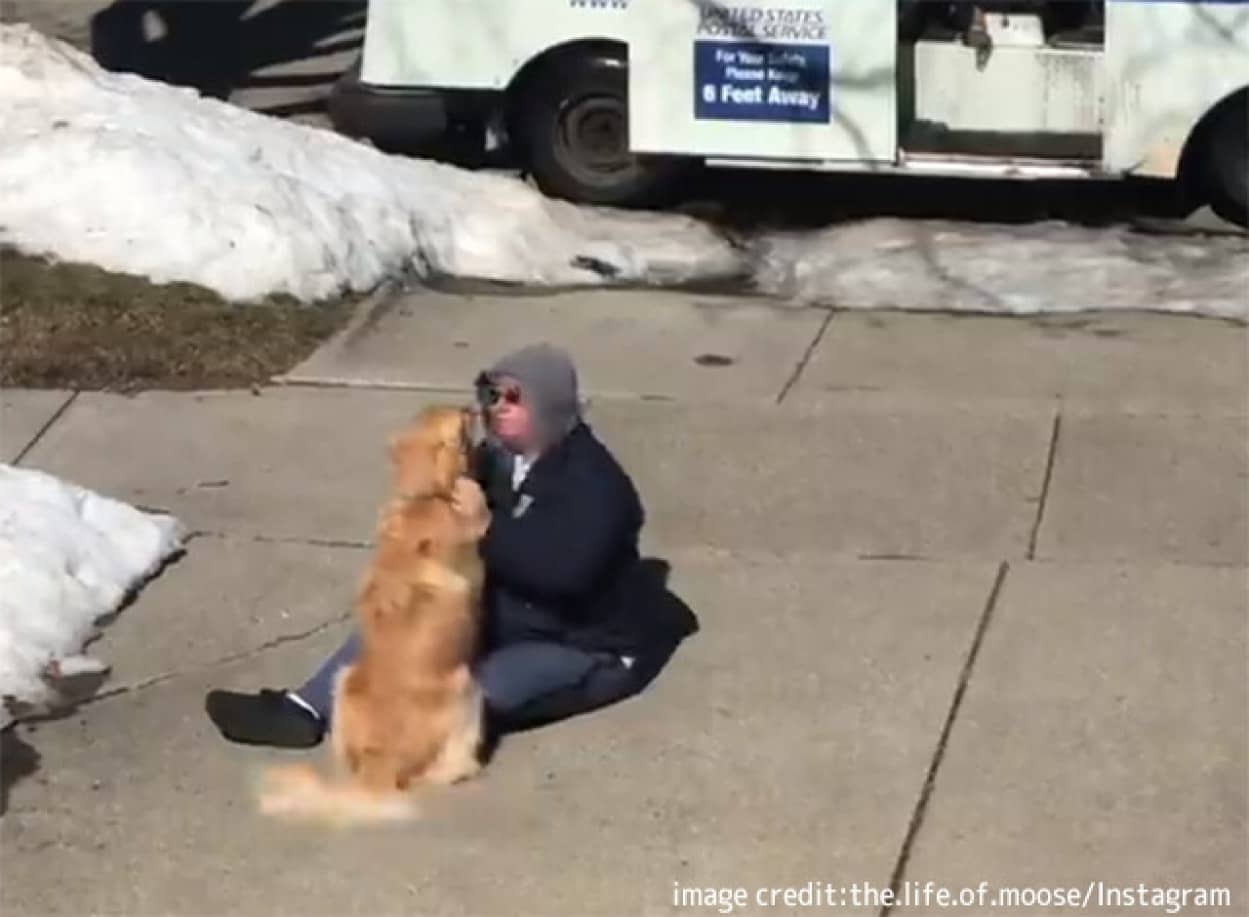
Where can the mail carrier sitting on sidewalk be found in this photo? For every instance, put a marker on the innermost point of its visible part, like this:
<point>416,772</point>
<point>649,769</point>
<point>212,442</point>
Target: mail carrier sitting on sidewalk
<point>570,624</point>
<point>609,101</point>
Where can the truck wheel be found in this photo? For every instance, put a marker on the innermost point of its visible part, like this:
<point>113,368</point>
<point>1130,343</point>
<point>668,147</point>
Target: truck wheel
<point>1225,162</point>
<point>573,126</point>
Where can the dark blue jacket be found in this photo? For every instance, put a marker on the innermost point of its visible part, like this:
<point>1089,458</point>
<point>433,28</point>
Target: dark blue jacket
<point>561,552</point>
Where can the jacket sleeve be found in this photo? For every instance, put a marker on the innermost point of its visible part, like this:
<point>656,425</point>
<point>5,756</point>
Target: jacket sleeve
<point>479,463</point>
<point>560,547</point>
<point>483,467</point>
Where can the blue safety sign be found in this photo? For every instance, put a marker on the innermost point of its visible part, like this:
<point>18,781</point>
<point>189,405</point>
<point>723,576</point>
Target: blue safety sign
<point>761,81</point>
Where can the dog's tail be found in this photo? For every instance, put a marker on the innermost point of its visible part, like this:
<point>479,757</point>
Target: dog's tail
<point>298,791</point>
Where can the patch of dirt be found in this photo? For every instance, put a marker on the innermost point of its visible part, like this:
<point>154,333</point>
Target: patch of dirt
<point>75,326</point>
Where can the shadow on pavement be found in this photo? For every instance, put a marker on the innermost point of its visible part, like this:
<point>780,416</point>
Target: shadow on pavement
<point>17,761</point>
<point>217,46</point>
<point>669,618</point>
<point>668,621</point>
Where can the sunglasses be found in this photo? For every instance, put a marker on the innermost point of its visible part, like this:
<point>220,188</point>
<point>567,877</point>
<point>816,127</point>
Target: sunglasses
<point>490,394</point>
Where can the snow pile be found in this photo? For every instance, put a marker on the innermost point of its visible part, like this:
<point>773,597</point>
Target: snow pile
<point>68,557</point>
<point>145,178</point>
<point>141,177</point>
<point>1044,267</point>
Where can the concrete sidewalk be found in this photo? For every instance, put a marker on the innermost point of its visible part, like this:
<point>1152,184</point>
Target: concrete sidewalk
<point>971,592</point>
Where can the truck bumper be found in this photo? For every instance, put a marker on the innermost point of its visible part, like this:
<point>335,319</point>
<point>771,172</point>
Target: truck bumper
<point>406,120</point>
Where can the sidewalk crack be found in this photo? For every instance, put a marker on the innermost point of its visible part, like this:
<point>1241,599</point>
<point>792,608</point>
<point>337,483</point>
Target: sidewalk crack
<point>240,656</point>
<point>57,414</point>
<point>806,356</point>
<point>1055,431</point>
<point>306,542</point>
<point>930,779</point>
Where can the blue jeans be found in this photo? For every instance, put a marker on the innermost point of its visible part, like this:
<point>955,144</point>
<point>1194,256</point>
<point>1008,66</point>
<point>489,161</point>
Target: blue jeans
<point>525,683</point>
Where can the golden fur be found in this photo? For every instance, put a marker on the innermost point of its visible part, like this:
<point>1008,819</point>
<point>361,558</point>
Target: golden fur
<point>408,710</point>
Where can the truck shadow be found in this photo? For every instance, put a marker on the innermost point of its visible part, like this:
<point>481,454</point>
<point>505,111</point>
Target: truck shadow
<point>750,201</point>
<point>219,46</point>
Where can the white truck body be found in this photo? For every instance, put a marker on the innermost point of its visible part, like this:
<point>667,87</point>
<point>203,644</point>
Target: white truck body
<point>827,84</point>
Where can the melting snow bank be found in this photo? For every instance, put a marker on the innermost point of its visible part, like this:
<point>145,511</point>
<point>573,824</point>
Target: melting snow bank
<point>68,557</point>
<point>1046,267</point>
<point>145,178</point>
<point>150,179</point>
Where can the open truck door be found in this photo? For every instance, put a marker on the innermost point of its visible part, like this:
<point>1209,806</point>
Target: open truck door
<point>776,80</point>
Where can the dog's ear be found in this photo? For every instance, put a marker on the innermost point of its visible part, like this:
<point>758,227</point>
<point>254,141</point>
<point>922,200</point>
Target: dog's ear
<point>409,461</point>
<point>398,448</point>
<point>469,418</point>
<point>395,448</point>
<point>449,459</point>
<point>446,466</point>
<point>376,601</point>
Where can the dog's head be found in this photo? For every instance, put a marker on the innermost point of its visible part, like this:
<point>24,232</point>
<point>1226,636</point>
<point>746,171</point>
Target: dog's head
<point>428,456</point>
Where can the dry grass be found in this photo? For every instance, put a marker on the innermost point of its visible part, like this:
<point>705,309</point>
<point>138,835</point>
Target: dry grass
<point>75,326</point>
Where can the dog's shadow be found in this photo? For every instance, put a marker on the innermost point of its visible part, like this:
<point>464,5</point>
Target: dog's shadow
<point>664,618</point>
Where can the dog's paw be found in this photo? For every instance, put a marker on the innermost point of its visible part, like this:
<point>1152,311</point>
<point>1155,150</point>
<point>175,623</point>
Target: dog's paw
<point>470,505</point>
<point>480,526</point>
<point>449,773</point>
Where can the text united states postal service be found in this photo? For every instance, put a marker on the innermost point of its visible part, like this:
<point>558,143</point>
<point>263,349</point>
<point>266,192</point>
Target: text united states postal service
<point>762,64</point>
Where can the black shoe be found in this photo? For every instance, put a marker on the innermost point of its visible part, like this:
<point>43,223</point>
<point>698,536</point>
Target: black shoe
<point>267,718</point>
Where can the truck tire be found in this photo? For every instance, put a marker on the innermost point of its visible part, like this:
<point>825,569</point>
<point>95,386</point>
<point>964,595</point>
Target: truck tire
<point>1225,162</point>
<point>572,122</point>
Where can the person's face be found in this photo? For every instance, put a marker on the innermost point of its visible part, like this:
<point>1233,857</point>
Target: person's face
<point>509,416</point>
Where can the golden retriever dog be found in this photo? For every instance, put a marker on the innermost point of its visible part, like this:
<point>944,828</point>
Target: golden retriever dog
<point>408,710</point>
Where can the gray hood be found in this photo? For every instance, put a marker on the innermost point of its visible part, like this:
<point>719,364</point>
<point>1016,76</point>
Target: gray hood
<point>548,382</point>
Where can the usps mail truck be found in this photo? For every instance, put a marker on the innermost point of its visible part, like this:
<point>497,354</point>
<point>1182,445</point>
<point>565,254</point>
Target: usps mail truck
<point>610,101</point>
